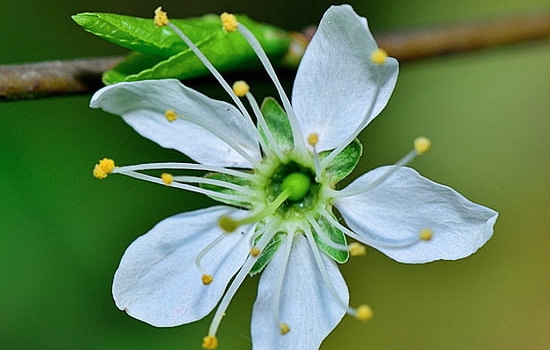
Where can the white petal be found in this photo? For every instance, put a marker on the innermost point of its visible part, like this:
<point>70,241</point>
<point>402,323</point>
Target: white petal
<point>143,105</point>
<point>406,203</point>
<point>157,280</point>
<point>306,305</point>
<point>336,80</point>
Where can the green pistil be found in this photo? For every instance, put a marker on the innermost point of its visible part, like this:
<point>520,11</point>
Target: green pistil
<point>297,185</point>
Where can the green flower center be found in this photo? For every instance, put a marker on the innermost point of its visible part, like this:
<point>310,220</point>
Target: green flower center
<point>298,184</point>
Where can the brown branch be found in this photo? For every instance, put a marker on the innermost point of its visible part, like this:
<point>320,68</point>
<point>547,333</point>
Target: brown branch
<point>41,79</point>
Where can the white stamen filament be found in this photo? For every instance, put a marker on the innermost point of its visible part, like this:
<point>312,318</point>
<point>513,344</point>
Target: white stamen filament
<point>196,189</point>
<point>299,144</point>
<point>323,236</point>
<point>206,249</point>
<point>352,192</point>
<point>326,161</point>
<point>377,243</point>
<point>218,77</point>
<point>267,227</point>
<point>215,182</point>
<point>183,166</point>
<point>281,277</point>
<point>317,164</point>
<point>237,281</point>
<point>265,128</point>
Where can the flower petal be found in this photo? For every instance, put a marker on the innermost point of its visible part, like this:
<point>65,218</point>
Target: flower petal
<point>157,280</point>
<point>306,305</point>
<point>336,80</point>
<point>406,203</point>
<point>143,105</point>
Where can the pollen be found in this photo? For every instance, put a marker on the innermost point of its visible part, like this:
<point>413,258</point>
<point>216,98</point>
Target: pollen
<point>379,56</point>
<point>422,145</point>
<point>284,328</point>
<point>229,22</point>
<point>426,234</point>
<point>207,279</point>
<point>210,342</point>
<point>161,18</point>
<point>255,251</point>
<point>228,224</point>
<point>170,115</point>
<point>357,249</point>
<point>312,139</point>
<point>103,168</point>
<point>364,313</point>
<point>240,88</point>
<point>167,178</point>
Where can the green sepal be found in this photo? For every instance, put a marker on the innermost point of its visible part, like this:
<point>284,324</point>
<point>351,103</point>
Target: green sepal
<point>227,51</point>
<point>268,252</point>
<point>277,122</point>
<point>226,178</point>
<point>343,164</point>
<point>335,235</point>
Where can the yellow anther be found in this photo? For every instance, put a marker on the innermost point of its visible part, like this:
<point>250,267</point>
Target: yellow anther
<point>284,328</point>
<point>357,249</point>
<point>170,115</point>
<point>255,251</point>
<point>422,145</point>
<point>229,22</point>
<point>210,342</point>
<point>241,88</point>
<point>228,224</point>
<point>167,178</point>
<point>312,139</point>
<point>379,56</point>
<point>364,313</point>
<point>207,279</point>
<point>103,168</point>
<point>426,234</point>
<point>161,18</point>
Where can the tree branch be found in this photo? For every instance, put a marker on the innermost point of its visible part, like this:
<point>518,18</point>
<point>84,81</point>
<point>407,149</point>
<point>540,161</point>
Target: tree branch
<point>33,80</point>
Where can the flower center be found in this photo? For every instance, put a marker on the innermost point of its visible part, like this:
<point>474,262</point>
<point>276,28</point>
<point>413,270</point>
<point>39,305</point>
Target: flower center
<point>298,184</point>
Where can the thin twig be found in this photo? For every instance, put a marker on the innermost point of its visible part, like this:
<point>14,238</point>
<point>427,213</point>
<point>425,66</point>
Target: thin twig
<point>33,80</point>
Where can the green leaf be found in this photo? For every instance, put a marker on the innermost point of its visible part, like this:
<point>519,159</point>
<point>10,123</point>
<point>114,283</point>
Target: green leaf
<point>344,163</point>
<point>169,56</point>
<point>277,122</point>
<point>335,235</point>
<point>230,179</point>
<point>267,254</point>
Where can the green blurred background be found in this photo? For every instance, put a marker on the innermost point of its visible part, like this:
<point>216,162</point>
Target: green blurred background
<point>63,232</point>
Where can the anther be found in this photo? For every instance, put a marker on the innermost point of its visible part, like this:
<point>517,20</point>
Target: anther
<point>229,22</point>
<point>167,178</point>
<point>241,88</point>
<point>357,249</point>
<point>426,234</point>
<point>228,224</point>
<point>170,115</point>
<point>161,18</point>
<point>422,145</point>
<point>255,251</point>
<point>364,313</point>
<point>207,279</point>
<point>379,56</point>
<point>284,328</point>
<point>103,168</point>
<point>210,342</point>
<point>312,139</point>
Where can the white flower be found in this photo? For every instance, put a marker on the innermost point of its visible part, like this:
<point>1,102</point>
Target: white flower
<point>278,215</point>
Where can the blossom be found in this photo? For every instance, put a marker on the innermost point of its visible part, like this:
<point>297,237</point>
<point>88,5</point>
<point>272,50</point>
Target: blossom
<point>277,181</point>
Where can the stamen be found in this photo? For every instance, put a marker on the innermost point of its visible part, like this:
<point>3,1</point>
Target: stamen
<point>237,281</point>
<point>167,178</point>
<point>183,166</point>
<point>261,121</point>
<point>229,22</point>
<point>426,234</point>
<point>323,236</point>
<point>284,328</point>
<point>421,144</point>
<point>313,139</point>
<point>103,168</point>
<point>202,253</point>
<point>161,18</point>
<point>357,249</point>
<point>255,251</point>
<point>280,279</point>
<point>240,88</point>
<point>257,47</point>
<point>378,56</point>
<point>215,182</point>
<point>170,115</point>
<point>364,313</point>
<point>210,342</point>
<point>207,279</point>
